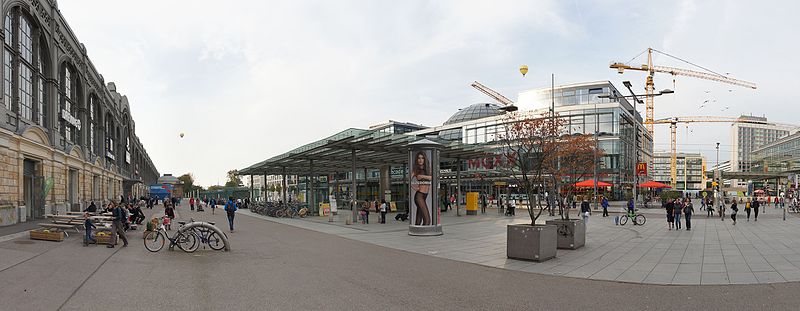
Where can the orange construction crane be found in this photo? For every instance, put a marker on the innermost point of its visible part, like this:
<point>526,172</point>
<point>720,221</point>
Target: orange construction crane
<point>673,125</point>
<point>652,69</point>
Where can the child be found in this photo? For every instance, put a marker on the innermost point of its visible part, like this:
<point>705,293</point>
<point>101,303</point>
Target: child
<point>166,221</point>
<point>87,223</point>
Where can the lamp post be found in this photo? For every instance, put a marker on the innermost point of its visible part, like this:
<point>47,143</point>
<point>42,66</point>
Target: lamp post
<point>636,100</point>
<point>523,69</point>
<point>717,180</point>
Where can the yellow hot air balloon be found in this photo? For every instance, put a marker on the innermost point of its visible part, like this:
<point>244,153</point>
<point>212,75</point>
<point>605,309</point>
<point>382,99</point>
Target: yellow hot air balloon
<point>523,69</point>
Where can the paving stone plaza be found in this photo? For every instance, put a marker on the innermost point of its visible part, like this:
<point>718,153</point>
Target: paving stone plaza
<point>714,252</point>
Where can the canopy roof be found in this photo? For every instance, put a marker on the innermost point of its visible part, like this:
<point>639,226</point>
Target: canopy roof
<point>373,149</point>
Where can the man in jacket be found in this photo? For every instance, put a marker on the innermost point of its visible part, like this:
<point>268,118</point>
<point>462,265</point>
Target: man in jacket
<point>230,209</point>
<point>585,212</point>
<point>117,227</point>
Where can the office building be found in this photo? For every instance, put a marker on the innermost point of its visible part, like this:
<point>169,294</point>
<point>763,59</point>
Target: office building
<point>690,170</point>
<point>747,137</point>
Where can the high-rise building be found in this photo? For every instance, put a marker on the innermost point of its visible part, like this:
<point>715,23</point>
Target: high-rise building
<point>690,175</point>
<point>747,137</point>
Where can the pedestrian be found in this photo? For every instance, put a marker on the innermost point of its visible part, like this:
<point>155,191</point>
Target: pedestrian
<point>213,205</point>
<point>88,225</point>
<point>383,211</point>
<point>756,205</point>
<point>483,203</point>
<point>747,207</point>
<point>734,210</point>
<point>230,209</point>
<point>452,201</point>
<point>366,213</point>
<point>91,209</point>
<point>191,203</point>
<point>670,206</point>
<point>167,222</point>
<point>677,210</point>
<point>169,211</point>
<point>585,212</point>
<point>688,211</point>
<point>721,210</point>
<point>117,226</point>
<point>604,203</point>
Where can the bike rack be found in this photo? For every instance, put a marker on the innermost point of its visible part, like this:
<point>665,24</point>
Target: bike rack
<point>208,226</point>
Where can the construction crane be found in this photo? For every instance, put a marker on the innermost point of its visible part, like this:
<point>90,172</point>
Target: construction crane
<point>652,69</point>
<point>673,125</point>
<point>505,103</point>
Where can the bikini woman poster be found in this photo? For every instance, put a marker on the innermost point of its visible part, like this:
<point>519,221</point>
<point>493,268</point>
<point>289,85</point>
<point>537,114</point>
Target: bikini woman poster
<point>422,193</point>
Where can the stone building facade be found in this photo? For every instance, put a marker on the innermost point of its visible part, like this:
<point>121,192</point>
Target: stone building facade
<point>66,136</point>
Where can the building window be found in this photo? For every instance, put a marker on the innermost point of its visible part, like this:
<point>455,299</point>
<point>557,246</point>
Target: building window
<point>21,54</point>
<point>70,124</point>
<point>91,119</point>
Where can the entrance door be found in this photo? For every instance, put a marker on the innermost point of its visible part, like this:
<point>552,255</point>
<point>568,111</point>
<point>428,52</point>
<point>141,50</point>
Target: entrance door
<point>37,209</point>
<point>72,191</point>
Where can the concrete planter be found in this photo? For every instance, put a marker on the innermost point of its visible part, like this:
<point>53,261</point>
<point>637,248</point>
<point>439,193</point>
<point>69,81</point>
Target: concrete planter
<point>571,233</point>
<point>535,243</point>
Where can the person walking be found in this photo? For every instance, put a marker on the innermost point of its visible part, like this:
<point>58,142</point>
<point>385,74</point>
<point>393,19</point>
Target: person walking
<point>688,211</point>
<point>117,227</point>
<point>483,203</point>
<point>191,203</point>
<point>677,210</point>
<point>230,209</point>
<point>734,210</point>
<point>88,225</point>
<point>604,203</point>
<point>670,206</point>
<point>756,205</point>
<point>383,211</point>
<point>747,207</point>
<point>213,205</point>
<point>585,212</point>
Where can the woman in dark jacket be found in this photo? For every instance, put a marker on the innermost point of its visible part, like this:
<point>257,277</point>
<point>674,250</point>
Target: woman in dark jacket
<point>670,206</point>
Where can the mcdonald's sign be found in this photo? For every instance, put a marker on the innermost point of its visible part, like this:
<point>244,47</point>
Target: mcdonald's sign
<point>641,169</point>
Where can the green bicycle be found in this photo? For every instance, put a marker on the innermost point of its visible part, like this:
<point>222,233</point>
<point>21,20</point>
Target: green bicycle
<point>638,219</point>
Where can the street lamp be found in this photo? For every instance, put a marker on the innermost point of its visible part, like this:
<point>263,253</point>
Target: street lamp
<point>636,100</point>
<point>523,69</point>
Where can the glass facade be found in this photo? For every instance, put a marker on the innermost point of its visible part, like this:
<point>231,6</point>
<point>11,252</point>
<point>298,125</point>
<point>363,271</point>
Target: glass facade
<point>780,156</point>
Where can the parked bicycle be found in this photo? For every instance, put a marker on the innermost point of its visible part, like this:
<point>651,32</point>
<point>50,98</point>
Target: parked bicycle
<point>187,241</point>
<point>207,236</point>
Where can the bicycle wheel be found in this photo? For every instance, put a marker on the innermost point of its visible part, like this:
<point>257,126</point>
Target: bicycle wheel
<point>303,212</point>
<point>639,220</point>
<point>187,241</point>
<point>280,213</point>
<point>623,220</point>
<point>154,241</point>
<point>215,241</point>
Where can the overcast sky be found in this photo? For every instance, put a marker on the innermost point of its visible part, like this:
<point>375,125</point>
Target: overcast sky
<point>246,80</point>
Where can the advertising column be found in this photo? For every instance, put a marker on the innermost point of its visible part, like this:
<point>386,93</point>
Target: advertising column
<point>423,188</point>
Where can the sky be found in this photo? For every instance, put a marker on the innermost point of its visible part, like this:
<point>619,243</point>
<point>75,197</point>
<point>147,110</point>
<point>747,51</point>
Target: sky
<point>248,80</point>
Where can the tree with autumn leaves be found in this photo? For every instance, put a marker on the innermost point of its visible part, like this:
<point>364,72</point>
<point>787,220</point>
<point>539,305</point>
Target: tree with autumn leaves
<point>543,158</point>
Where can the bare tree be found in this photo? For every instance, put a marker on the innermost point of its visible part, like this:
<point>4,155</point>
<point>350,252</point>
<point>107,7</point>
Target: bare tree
<point>543,158</point>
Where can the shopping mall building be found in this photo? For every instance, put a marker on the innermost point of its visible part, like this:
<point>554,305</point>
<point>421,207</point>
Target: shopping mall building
<point>478,126</point>
<point>66,135</point>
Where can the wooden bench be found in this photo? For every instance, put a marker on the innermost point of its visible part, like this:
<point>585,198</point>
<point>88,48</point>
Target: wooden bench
<point>62,227</point>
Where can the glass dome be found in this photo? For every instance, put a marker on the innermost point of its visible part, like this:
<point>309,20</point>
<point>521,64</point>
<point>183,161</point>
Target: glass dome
<point>472,112</point>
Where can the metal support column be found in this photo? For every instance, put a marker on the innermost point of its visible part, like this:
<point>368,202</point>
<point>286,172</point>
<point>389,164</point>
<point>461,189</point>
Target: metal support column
<point>313,199</point>
<point>251,187</point>
<point>458,187</point>
<point>283,187</point>
<point>353,190</point>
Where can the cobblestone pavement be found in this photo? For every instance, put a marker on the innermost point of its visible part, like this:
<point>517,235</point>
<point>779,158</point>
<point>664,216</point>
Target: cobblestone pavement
<point>714,252</point>
<point>278,267</point>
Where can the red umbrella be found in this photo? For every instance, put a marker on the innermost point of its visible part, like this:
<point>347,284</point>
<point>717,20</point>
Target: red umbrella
<point>590,183</point>
<point>653,184</point>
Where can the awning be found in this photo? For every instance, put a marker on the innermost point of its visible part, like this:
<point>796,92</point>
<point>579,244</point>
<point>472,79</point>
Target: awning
<point>590,183</point>
<point>653,184</point>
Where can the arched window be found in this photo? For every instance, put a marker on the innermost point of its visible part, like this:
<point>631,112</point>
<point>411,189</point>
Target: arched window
<point>23,68</point>
<point>70,124</point>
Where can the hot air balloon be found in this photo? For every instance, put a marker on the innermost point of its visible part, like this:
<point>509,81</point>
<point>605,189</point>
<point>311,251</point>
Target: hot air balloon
<point>181,135</point>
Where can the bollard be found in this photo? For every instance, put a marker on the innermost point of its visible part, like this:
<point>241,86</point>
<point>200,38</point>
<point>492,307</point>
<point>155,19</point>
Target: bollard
<point>212,227</point>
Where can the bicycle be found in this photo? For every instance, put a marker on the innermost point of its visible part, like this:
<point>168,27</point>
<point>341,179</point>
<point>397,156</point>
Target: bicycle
<point>207,236</point>
<point>638,219</point>
<point>186,241</point>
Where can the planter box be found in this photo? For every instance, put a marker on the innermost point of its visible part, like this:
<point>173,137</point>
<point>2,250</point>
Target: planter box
<point>103,239</point>
<point>571,233</point>
<point>40,234</point>
<point>535,243</point>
